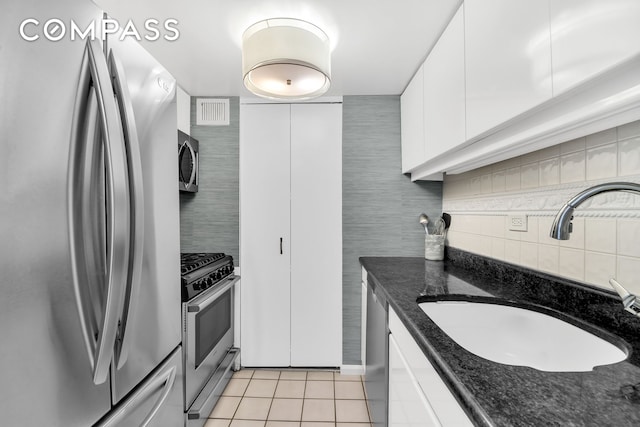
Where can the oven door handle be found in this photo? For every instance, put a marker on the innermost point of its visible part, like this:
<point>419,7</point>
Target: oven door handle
<point>197,305</point>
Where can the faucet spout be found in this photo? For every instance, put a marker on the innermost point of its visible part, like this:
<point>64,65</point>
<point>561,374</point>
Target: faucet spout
<point>561,227</point>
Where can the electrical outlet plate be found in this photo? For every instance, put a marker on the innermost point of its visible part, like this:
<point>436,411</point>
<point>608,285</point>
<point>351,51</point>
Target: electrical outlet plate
<point>517,222</point>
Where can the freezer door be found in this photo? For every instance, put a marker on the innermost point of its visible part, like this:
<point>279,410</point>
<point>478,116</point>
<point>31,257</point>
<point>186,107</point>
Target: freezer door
<point>156,402</point>
<point>44,365</point>
<point>151,324</point>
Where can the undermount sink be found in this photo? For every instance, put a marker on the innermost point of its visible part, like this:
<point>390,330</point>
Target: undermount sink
<point>521,337</point>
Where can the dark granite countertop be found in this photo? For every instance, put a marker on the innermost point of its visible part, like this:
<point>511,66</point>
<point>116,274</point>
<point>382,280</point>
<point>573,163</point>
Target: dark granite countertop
<point>494,394</point>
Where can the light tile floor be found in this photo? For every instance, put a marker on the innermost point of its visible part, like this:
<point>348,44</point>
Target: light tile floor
<point>291,398</point>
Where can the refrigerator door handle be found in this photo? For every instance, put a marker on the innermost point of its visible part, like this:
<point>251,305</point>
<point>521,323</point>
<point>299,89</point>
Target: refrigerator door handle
<point>163,381</point>
<point>134,170</point>
<point>98,314</point>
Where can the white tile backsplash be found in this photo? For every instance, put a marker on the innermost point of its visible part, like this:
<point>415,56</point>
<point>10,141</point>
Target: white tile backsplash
<point>549,172</point>
<point>498,248</point>
<point>529,176</point>
<point>573,146</point>
<point>629,156</point>
<point>629,238</point>
<point>486,184</point>
<point>602,162</point>
<point>529,255</point>
<point>498,225</point>
<point>531,235</point>
<point>601,138</point>
<point>571,263</point>
<point>600,235</point>
<point>512,251</point>
<point>572,167</point>
<point>544,229</point>
<point>629,130</point>
<point>549,258</point>
<point>499,182</point>
<point>605,241</point>
<point>627,273</point>
<point>599,268</point>
<point>513,179</point>
<point>476,185</point>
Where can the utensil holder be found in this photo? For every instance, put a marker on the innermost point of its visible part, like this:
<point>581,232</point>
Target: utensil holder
<point>434,247</point>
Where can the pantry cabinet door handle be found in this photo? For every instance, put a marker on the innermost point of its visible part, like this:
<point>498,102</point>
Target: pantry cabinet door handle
<point>281,246</point>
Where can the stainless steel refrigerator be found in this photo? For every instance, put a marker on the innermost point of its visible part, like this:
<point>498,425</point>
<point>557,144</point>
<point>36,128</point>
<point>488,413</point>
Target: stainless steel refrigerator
<point>89,245</point>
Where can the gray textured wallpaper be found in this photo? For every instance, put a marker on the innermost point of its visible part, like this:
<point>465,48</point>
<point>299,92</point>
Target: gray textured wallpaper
<point>209,219</point>
<point>380,204</point>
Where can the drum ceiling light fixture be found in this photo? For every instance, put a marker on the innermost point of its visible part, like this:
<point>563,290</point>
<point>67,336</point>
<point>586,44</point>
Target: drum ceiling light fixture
<point>285,58</point>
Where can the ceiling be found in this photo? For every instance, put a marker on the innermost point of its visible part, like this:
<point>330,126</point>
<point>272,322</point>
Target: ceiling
<point>377,45</point>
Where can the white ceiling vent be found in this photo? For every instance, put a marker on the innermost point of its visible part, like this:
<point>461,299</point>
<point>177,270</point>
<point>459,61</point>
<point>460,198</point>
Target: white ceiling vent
<point>212,112</point>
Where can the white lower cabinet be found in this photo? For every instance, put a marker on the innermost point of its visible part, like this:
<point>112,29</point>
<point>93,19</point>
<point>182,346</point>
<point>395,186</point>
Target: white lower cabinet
<point>417,394</point>
<point>408,406</point>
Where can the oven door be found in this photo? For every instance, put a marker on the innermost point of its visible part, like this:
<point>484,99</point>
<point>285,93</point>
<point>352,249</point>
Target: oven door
<point>208,334</point>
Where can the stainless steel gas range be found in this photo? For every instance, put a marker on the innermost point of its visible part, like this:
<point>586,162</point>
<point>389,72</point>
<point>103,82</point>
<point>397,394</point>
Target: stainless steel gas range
<point>208,290</point>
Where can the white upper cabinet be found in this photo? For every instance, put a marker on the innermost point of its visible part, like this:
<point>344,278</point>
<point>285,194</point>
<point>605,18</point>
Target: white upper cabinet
<point>411,123</point>
<point>508,60</point>
<point>444,95</point>
<point>509,77</point>
<point>591,36</point>
<point>433,104</point>
<point>184,110</point>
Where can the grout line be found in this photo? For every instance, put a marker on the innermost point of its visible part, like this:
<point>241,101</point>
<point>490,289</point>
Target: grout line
<point>303,398</point>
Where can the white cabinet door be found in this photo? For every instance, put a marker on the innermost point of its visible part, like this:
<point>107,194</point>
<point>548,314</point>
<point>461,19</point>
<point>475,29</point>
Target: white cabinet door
<point>291,234</point>
<point>316,234</point>
<point>411,122</point>
<point>590,36</point>
<point>446,408</point>
<point>408,405</point>
<point>508,60</point>
<point>264,234</point>
<point>444,94</point>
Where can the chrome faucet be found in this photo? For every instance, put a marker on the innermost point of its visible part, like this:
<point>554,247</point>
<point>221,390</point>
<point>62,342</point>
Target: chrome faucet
<point>562,227</point>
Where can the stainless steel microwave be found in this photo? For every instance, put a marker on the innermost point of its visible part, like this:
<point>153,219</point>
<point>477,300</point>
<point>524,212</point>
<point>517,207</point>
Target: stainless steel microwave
<point>187,163</point>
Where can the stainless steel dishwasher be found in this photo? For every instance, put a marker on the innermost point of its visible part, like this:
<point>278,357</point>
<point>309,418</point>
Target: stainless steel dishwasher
<point>376,378</point>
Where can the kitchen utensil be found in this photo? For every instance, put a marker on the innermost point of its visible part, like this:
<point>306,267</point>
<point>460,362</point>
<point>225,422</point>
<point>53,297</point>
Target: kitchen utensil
<point>447,220</point>
<point>424,220</point>
<point>439,227</point>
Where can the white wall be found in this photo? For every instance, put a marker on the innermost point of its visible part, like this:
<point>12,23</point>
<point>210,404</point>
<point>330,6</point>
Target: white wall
<point>606,238</point>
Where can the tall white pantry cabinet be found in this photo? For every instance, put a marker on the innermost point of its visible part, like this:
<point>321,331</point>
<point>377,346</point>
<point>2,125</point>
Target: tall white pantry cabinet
<point>291,234</point>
